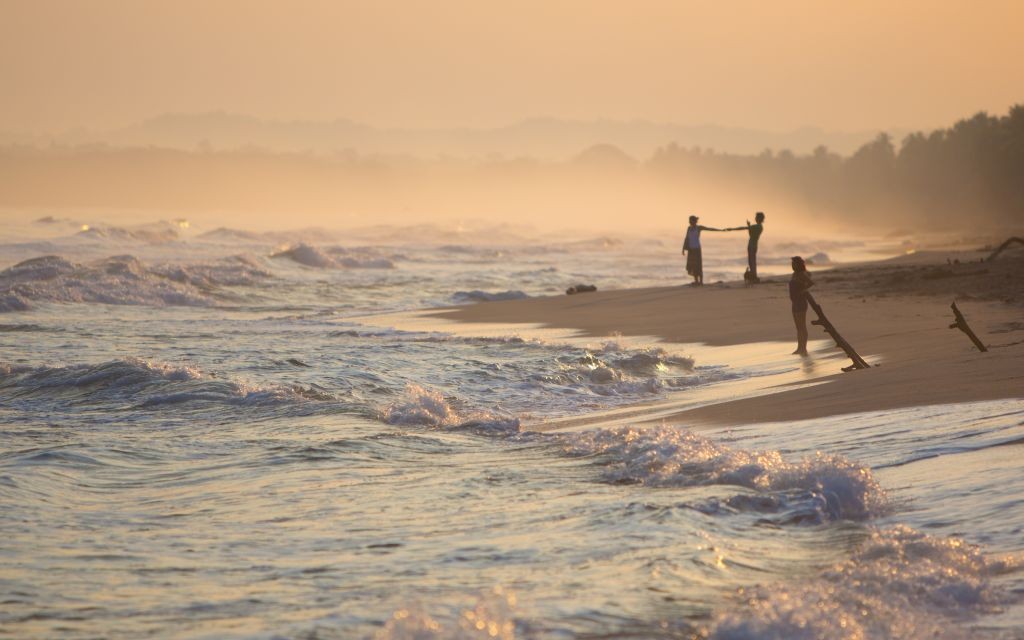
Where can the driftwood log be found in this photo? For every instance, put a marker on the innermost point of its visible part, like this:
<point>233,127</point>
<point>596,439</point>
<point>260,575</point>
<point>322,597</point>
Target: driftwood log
<point>961,324</point>
<point>992,256</point>
<point>824,323</point>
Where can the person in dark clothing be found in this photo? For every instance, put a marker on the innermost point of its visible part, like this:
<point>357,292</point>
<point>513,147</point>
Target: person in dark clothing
<point>754,231</point>
<point>692,250</point>
<point>799,284</point>
<point>755,234</point>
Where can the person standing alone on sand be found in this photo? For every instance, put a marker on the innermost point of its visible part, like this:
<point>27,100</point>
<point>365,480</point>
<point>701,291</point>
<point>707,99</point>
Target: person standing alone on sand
<point>692,250</point>
<point>798,286</point>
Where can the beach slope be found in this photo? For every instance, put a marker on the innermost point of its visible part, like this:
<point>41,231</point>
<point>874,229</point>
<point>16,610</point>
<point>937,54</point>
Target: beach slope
<point>896,313</point>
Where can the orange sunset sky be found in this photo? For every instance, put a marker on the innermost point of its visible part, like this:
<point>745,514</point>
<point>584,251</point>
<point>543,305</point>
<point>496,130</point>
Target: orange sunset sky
<point>769,65</point>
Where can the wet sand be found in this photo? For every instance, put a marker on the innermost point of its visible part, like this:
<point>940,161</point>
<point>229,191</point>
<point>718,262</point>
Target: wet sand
<point>896,313</point>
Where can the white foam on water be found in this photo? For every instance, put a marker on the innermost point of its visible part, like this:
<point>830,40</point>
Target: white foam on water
<point>421,406</point>
<point>116,280</point>
<point>462,297</point>
<point>311,256</point>
<point>491,617</point>
<point>239,270</point>
<point>830,487</point>
<point>899,584</point>
<point>123,280</point>
<point>147,384</point>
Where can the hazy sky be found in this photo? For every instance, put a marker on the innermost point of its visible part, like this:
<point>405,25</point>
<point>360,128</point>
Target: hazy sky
<point>773,65</point>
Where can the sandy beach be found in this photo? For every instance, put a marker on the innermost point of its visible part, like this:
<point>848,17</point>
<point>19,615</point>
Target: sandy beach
<point>896,313</point>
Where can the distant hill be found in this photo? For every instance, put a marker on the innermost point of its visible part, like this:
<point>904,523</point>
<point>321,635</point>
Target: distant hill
<point>542,138</point>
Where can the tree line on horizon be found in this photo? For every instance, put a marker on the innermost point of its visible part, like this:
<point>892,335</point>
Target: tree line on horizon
<point>971,171</point>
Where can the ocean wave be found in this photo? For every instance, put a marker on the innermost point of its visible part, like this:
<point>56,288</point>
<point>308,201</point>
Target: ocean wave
<point>231,235</point>
<point>13,302</point>
<point>556,370</point>
<point>307,255</point>
<point>122,280</point>
<point>640,360</point>
<point>13,328</point>
<point>234,271</point>
<point>156,233</point>
<point>398,335</point>
<point>597,243</point>
<point>315,257</point>
<point>462,297</point>
<point>114,280</point>
<point>143,384</point>
<point>815,489</point>
<point>421,406</point>
<point>222,234</point>
<point>899,584</point>
<point>613,370</point>
<point>491,617</point>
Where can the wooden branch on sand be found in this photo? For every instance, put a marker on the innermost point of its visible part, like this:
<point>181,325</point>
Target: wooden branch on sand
<point>823,322</point>
<point>961,324</point>
<point>992,256</point>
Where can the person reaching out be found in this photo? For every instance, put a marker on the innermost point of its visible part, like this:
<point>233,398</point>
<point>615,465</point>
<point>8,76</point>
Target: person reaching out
<point>692,250</point>
<point>754,230</point>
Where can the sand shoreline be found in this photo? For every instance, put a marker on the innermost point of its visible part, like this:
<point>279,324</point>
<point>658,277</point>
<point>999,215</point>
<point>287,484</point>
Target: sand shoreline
<point>895,313</point>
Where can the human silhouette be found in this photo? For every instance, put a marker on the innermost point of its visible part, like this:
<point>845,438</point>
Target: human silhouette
<point>799,283</point>
<point>692,250</point>
<point>754,230</point>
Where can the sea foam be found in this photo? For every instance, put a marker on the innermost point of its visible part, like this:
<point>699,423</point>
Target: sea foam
<point>816,488</point>
<point>421,406</point>
<point>463,297</point>
<point>142,384</point>
<point>122,280</point>
<point>334,258</point>
<point>899,584</point>
<point>491,617</point>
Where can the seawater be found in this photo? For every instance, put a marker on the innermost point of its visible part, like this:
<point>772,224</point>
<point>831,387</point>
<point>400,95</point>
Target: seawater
<point>208,436</point>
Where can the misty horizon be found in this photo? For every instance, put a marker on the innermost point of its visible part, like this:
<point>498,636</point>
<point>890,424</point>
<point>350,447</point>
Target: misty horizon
<point>541,137</point>
<point>925,179</point>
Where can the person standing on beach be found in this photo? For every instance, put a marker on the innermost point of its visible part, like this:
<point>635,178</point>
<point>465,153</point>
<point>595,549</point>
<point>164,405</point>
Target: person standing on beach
<point>798,287</point>
<point>692,250</point>
<point>754,230</point>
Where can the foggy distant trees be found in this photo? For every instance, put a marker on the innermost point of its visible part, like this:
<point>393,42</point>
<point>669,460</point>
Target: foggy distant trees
<point>973,170</point>
<point>969,174</point>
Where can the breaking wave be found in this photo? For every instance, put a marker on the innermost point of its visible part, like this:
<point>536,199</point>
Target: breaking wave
<point>13,302</point>
<point>815,489</point>
<point>462,297</point>
<point>235,271</point>
<point>122,280</point>
<point>420,406</point>
<point>335,258</point>
<point>613,370</point>
<point>900,584</point>
<point>155,233</point>
<point>490,617</point>
<point>142,384</point>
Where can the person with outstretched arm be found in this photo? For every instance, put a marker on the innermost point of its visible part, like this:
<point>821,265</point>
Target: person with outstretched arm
<point>754,230</point>
<point>692,250</point>
<point>799,284</point>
